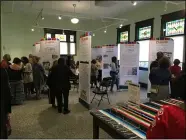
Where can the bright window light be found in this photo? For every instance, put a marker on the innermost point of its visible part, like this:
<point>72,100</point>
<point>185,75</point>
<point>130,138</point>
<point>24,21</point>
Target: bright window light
<point>72,49</point>
<point>118,51</point>
<point>178,47</point>
<point>144,50</point>
<point>48,35</point>
<point>63,48</point>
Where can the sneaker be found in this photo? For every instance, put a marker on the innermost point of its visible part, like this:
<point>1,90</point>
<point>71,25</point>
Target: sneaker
<point>66,111</point>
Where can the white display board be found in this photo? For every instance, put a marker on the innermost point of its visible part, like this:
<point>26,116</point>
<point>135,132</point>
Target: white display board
<point>134,93</point>
<point>49,51</point>
<point>84,68</point>
<point>96,53</point>
<point>129,63</point>
<point>107,53</point>
<point>36,49</point>
<point>165,46</point>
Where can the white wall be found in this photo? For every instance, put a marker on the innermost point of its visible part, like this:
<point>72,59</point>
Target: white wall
<point>18,39</point>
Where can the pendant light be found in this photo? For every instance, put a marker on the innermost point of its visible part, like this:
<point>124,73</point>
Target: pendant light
<point>74,20</point>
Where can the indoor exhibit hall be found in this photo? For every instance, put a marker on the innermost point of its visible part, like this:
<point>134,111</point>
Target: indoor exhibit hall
<point>93,70</point>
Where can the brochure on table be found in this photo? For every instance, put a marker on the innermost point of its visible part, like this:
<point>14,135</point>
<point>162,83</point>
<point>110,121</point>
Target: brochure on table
<point>84,69</point>
<point>164,45</point>
<point>129,63</point>
<point>49,51</point>
<point>108,51</point>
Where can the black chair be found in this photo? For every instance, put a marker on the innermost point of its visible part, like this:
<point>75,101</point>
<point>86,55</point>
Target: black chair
<point>102,90</point>
<point>75,82</point>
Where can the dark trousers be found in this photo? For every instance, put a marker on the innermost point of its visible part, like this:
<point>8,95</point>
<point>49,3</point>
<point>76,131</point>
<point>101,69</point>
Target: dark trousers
<point>93,80</point>
<point>52,96</point>
<point>27,89</point>
<point>62,95</point>
<point>115,80</point>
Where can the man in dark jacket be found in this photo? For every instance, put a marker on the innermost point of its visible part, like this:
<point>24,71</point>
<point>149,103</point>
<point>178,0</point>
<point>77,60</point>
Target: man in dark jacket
<point>5,103</point>
<point>155,63</point>
<point>60,77</point>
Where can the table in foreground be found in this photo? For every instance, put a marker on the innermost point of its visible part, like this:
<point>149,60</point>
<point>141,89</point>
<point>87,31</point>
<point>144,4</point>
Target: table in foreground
<point>114,129</point>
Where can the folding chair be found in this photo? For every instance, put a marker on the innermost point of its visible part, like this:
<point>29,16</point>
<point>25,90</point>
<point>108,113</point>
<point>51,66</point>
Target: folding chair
<point>105,83</point>
<point>75,82</point>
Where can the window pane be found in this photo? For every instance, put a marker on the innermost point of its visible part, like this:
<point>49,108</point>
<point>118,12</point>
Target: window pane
<point>118,51</point>
<point>175,27</point>
<point>60,37</point>
<point>63,48</point>
<point>72,49</point>
<point>144,50</point>
<point>48,35</point>
<point>71,38</point>
<point>145,32</point>
<point>124,36</point>
<point>178,47</point>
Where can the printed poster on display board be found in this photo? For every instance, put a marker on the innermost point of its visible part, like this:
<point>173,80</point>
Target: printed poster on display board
<point>36,49</point>
<point>96,53</point>
<point>49,51</point>
<point>129,64</point>
<point>165,46</point>
<point>134,93</point>
<point>107,53</point>
<point>84,68</point>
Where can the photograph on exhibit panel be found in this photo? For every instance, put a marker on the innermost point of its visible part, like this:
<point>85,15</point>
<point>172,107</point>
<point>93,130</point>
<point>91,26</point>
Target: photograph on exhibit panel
<point>106,66</point>
<point>130,71</point>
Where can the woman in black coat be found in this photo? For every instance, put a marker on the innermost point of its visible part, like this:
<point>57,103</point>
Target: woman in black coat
<point>5,104</point>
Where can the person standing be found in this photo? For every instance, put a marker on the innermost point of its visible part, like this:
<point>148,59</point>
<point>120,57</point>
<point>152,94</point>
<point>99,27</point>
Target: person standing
<point>6,61</point>
<point>155,63</point>
<point>15,72</point>
<point>27,76</point>
<point>60,77</point>
<point>175,69</point>
<point>5,105</point>
<point>38,76</point>
<point>52,94</point>
<point>170,123</point>
<point>114,73</point>
<point>160,78</point>
<point>94,71</point>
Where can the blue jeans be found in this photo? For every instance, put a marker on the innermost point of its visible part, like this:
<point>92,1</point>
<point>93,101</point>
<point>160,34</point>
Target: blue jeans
<point>114,81</point>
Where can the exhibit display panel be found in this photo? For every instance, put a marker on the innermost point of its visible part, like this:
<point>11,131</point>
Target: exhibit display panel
<point>165,45</point>
<point>84,69</point>
<point>108,51</point>
<point>129,63</point>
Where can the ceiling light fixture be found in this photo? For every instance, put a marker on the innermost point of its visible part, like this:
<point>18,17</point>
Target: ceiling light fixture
<point>105,31</point>
<point>32,29</point>
<point>74,20</point>
<point>59,17</point>
<point>134,3</point>
<point>42,18</point>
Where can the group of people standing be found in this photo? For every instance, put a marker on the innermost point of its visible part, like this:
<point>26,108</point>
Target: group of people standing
<point>18,80</point>
<point>164,78</point>
<point>26,76</point>
<point>96,73</point>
